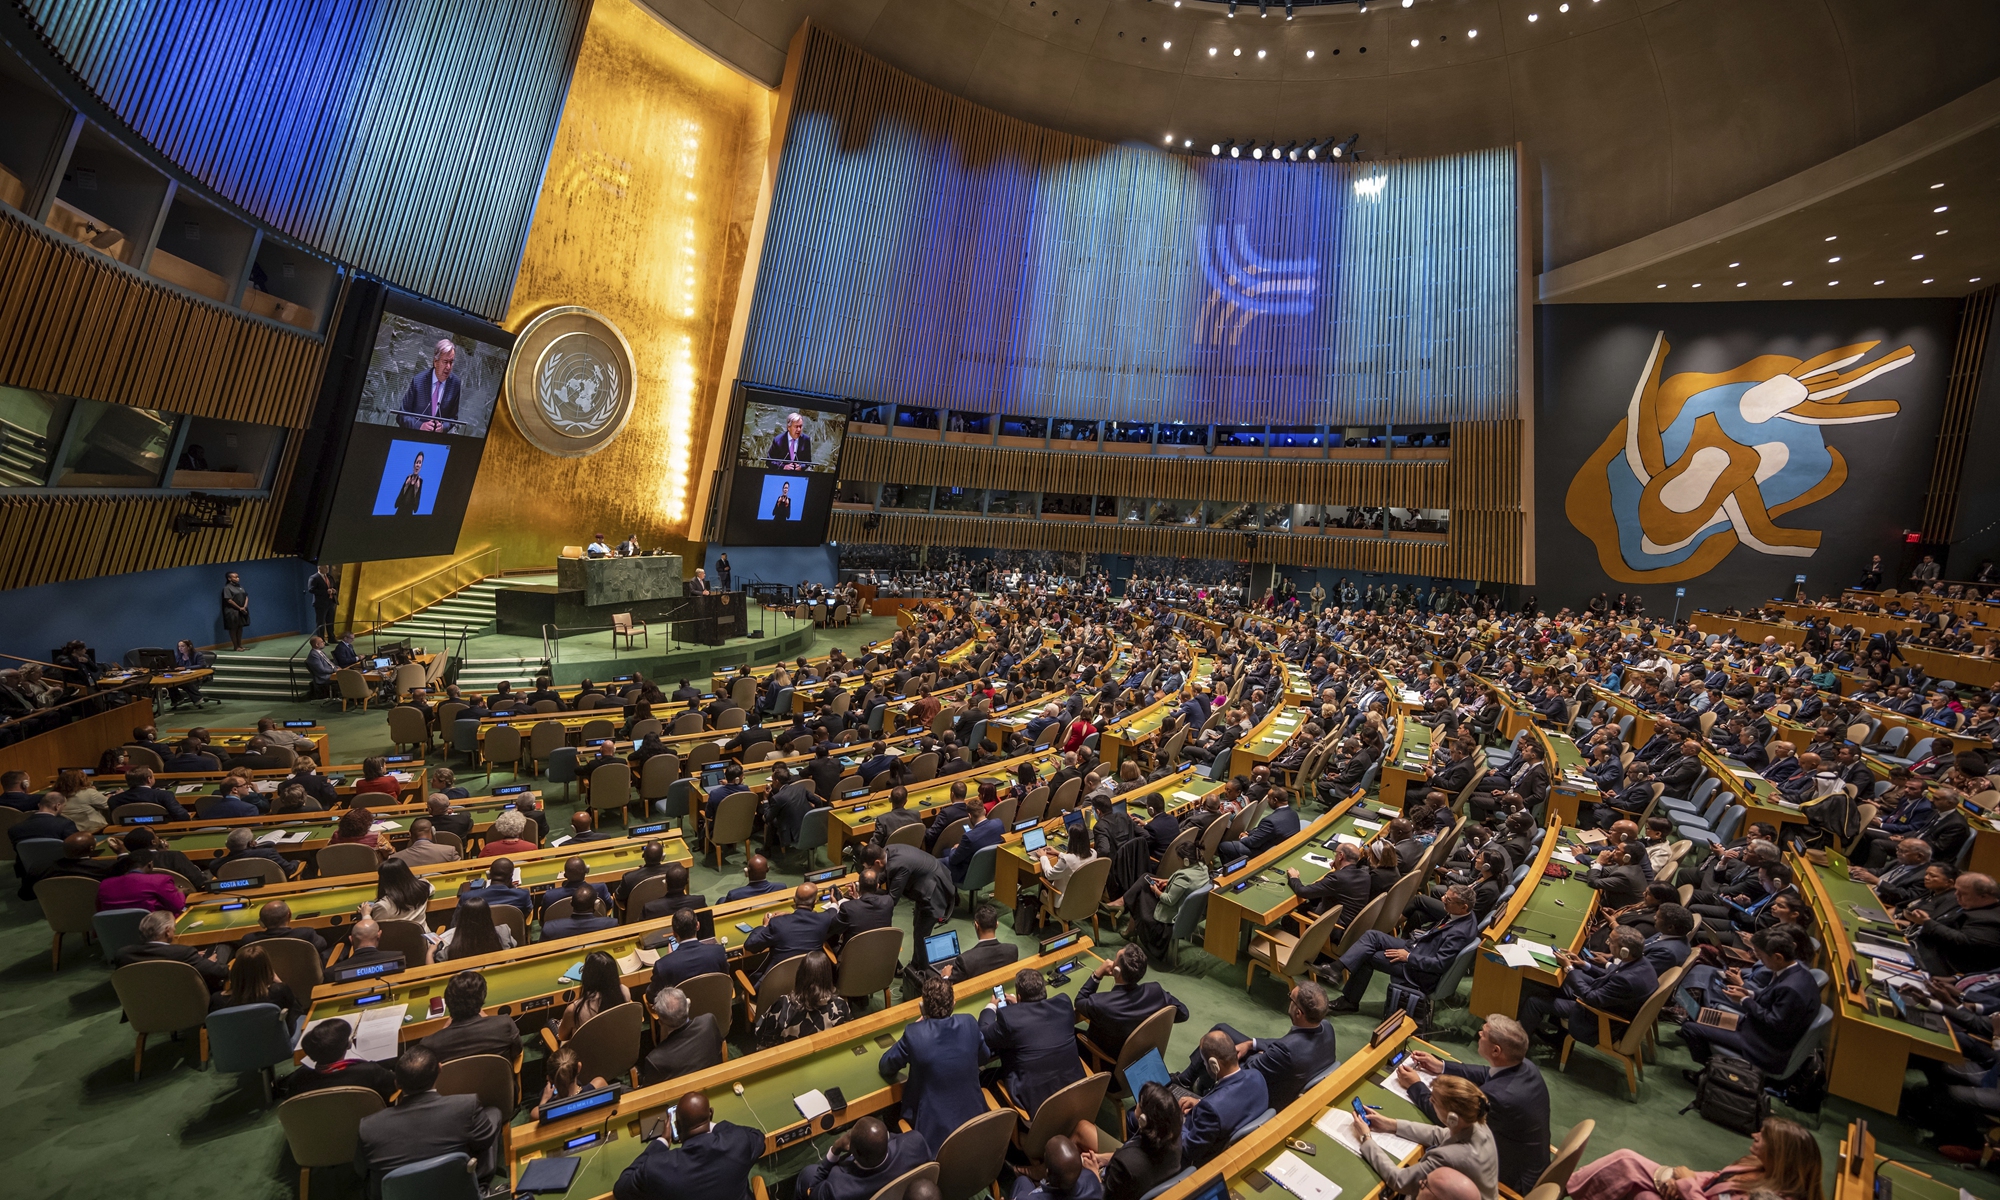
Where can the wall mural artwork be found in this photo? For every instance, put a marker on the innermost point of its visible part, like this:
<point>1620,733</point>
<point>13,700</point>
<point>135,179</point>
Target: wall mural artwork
<point>1703,463</point>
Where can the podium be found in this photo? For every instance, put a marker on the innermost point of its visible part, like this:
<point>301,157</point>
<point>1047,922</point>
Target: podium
<point>711,619</point>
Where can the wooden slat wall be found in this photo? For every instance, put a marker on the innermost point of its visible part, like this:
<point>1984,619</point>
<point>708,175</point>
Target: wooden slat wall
<point>1488,519</point>
<point>82,326</point>
<point>1954,430</point>
<point>1419,484</point>
<point>407,137</point>
<point>74,324</point>
<point>925,250</point>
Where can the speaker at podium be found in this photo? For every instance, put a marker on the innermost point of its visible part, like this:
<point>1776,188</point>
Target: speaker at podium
<point>711,618</point>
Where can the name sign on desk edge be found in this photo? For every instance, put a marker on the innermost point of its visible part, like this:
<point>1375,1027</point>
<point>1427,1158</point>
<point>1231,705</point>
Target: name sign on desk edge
<point>647,830</point>
<point>826,876</point>
<point>582,1102</point>
<point>300,724</point>
<point>232,885</point>
<point>511,789</point>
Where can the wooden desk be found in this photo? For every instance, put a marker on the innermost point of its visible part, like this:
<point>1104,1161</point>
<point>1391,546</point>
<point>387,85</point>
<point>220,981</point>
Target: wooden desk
<point>853,820</point>
<point>1235,900</point>
<point>1183,790</point>
<point>1242,1164</point>
<point>528,979</point>
<point>1870,1053</point>
<point>238,737</point>
<point>1407,761</point>
<point>844,1057</point>
<point>1554,912</point>
<point>203,839</point>
<point>1858,1166</point>
<point>330,903</point>
<point>1267,738</point>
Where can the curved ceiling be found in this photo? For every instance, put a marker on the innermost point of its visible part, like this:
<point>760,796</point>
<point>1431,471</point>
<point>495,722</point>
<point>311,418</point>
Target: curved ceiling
<point>1634,115</point>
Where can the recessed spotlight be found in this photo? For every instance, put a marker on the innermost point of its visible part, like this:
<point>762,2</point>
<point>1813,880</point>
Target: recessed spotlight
<point>1260,54</point>
<point>1735,264</point>
<point>1834,259</point>
<point>1832,236</point>
<point>1880,282</point>
<point>1236,53</point>
<point>1166,45</point>
<point>1187,142</point>
<point>1310,53</point>
<point>1833,283</point>
<point>1532,17</point>
<point>1472,33</point>
<point>1931,280</point>
<point>1915,257</point>
<point>1662,285</point>
<point>1974,279</point>
<point>1407,3</point>
<point>1787,283</point>
<point>1695,285</point>
<point>1742,284</point>
<point>1940,208</point>
<point>1170,139</point>
<point>1211,52</point>
<point>1942,232</point>
<point>1563,8</point>
<point>1413,43</point>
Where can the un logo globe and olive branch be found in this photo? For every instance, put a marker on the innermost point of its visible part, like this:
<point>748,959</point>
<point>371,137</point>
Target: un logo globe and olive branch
<point>570,384</point>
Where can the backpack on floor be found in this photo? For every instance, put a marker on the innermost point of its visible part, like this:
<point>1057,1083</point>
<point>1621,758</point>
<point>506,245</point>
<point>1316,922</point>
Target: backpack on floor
<point>1730,1092</point>
<point>1806,1089</point>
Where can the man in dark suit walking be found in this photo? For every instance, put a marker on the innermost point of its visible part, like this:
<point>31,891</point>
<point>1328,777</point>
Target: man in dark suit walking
<point>424,1124</point>
<point>1113,1015</point>
<point>430,403</point>
<point>791,449</point>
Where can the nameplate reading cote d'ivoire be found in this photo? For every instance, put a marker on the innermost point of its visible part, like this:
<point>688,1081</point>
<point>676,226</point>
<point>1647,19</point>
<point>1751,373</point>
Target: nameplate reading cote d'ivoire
<point>570,384</point>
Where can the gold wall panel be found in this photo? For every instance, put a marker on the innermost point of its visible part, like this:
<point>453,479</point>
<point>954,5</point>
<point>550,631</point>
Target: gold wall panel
<point>644,216</point>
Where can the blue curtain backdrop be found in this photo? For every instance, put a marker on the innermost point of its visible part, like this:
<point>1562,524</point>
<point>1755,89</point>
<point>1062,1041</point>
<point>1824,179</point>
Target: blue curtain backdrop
<point>926,251</point>
<point>406,137</point>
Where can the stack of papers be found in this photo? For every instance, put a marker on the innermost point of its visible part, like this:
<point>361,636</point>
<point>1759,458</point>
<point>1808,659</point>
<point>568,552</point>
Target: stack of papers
<point>1563,856</point>
<point>1296,1176</point>
<point>1395,1086</point>
<point>1189,796</point>
<point>182,789</point>
<point>278,837</point>
<point>1338,1123</point>
<point>375,1034</point>
<point>385,826</point>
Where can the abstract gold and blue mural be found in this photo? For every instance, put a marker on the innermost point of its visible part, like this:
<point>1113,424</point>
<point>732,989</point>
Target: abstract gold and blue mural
<point>1705,462</point>
<point>1724,450</point>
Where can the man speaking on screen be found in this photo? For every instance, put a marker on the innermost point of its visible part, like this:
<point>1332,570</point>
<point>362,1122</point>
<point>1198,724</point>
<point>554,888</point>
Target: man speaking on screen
<point>791,450</point>
<point>430,403</point>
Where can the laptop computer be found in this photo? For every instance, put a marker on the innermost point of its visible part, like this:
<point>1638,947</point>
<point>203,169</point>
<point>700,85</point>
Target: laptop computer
<point>1034,840</point>
<point>941,948</point>
<point>1151,1068</point>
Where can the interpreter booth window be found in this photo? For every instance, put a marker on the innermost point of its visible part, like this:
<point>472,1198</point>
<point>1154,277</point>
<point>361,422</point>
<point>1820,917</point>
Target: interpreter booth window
<point>1295,436</point>
<point>1131,431</point>
<point>1074,431</point>
<point>970,422</point>
<point>1309,516</point>
<point>1422,437</point>
<point>870,413</point>
<point>1177,512</point>
<point>225,455</point>
<point>906,498</point>
<point>1364,436</point>
<point>1240,436</point>
<point>31,425</point>
<point>855,492</point>
<point>1178,434</point>
<point>115,446</point>
<point>1068,504</point>
<point>1229,514</point>
<point>1010,504</point>
<point>908,417</point>
<point>1278,516</point>
<point>1024,427</point>
<point>959,500</point>
<point>1134,509</point>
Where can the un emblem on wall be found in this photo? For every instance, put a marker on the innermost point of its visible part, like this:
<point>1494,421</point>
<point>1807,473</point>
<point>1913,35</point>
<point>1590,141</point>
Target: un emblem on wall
<point>571,381</point>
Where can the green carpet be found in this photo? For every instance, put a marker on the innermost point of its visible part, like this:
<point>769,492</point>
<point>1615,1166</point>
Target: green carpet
<point>82,1127</point>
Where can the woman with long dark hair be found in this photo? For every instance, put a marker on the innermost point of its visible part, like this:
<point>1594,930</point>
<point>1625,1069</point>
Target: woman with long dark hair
<point>599,991</point>
<point>812,1005</point>
<point>411,496</point>
<point>252,980</point>
<point>399,894</point>
<point>473,932</point>
<point>1150,1158</point>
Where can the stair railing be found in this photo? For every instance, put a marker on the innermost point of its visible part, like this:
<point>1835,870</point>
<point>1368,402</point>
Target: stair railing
<point>402,603</point>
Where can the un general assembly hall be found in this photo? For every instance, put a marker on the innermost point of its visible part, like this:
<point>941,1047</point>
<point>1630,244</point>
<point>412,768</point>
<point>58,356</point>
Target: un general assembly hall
<point>1000,599</point>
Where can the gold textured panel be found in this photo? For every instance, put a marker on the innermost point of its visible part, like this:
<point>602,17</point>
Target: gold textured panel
<point>643,217</point>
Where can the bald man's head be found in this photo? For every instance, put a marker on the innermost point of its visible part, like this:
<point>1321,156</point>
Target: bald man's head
<point>1448,1183</point>
<point>692,1114</point>
<point>869,1141</point>
<point>1064,1164</point>
<point>804,897</point>
<point>757,867</point>
<point>364,934</point>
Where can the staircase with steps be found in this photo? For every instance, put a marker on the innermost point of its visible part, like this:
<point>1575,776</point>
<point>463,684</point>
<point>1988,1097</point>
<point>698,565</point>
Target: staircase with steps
<point>249,675</point>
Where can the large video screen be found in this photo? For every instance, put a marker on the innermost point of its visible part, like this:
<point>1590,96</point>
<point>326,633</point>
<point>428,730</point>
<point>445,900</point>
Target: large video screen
<point>787,460</point>
<point>413,451</point>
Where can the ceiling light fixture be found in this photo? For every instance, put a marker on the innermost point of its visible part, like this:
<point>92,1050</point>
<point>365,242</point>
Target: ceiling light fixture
<point>1661,285</point>
<point>1834,259</point>
<point>1936,186</point>
<point>1170,139</point>
<point>1260,54</point>
<point>1735,264</point>
<point>1942,232</point>
<point>1413,43</point>
<point>1236,53</point>
<point>1880,282</point>
<point>1833,283</point>
<point>1343,148</point>
<point>1830,237</point>
<point>1235,151</point>
<point>1232,7</point>
<point>1930,281</point>
<point>1215,148</point>
<point>1743,284</point>
<point>1310,53</point>
<point>1564,8</point>
<point>1288,10</point>
<point>1472,33</point>
<point>1211,52</point>
<point>1915,257</point>
<point>1787,283</point>
<point>1166,45</point>
<point>1257,152</point>
<point>1533,17</point>
<point>1697,285</point>
<point>1940,208</point>
<point>1263,9</point>
<point>1407,3</point>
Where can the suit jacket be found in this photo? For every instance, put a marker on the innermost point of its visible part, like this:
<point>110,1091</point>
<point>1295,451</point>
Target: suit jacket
<point>1947,836</point>
<point>981,957</point>
<point>416,404</point>
<point>1277,825</point>
<point>915,874</point>
<point>1620,885</point>
<point>148,795</point>
<point>781,450</point>
<point>563,927</point>
<point>1290,1062</point>
<point>1518,1118</point>
<point>305,935</point>
<point>876,910</point>
<point>1778,1014</point>
<point>348,1072</point>
<point>420,1127</point>
<point>1212,1124</point>
<point>213,973</point>
<point>1036,1044</point>
<point>1619,989</point>
<point>1666,953</point>
<point>889,822</point>
<point>1349,887</point>
<point>714,1165</point>
<point>695,1046</point>
<point>789,934</point>
<point>844,1179</point>
<point>943,1090</point>
<point>480,1035</point>
<point>1964,940</point>
<point>986,833</point>
<point>1115,1013</point>
<point>692,958</point>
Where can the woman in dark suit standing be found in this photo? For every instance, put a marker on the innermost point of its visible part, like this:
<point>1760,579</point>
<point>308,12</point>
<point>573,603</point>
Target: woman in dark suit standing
<point>412,494</point>
<point>781,508</point>
<point>235,609</point>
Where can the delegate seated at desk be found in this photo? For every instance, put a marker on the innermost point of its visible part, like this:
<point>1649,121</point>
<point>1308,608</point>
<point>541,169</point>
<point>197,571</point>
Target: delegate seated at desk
<point>425,1124</point>
<point>943,1051</point>
<point>711,1162</point>
<point>1772,1019</point>
<point>1517,1097</point>
<point>1461,1142</point>
<point>1288,1062</point>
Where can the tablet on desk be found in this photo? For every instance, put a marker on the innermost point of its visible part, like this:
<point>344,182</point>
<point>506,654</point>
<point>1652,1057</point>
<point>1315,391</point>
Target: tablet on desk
<point>1033,840</point>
